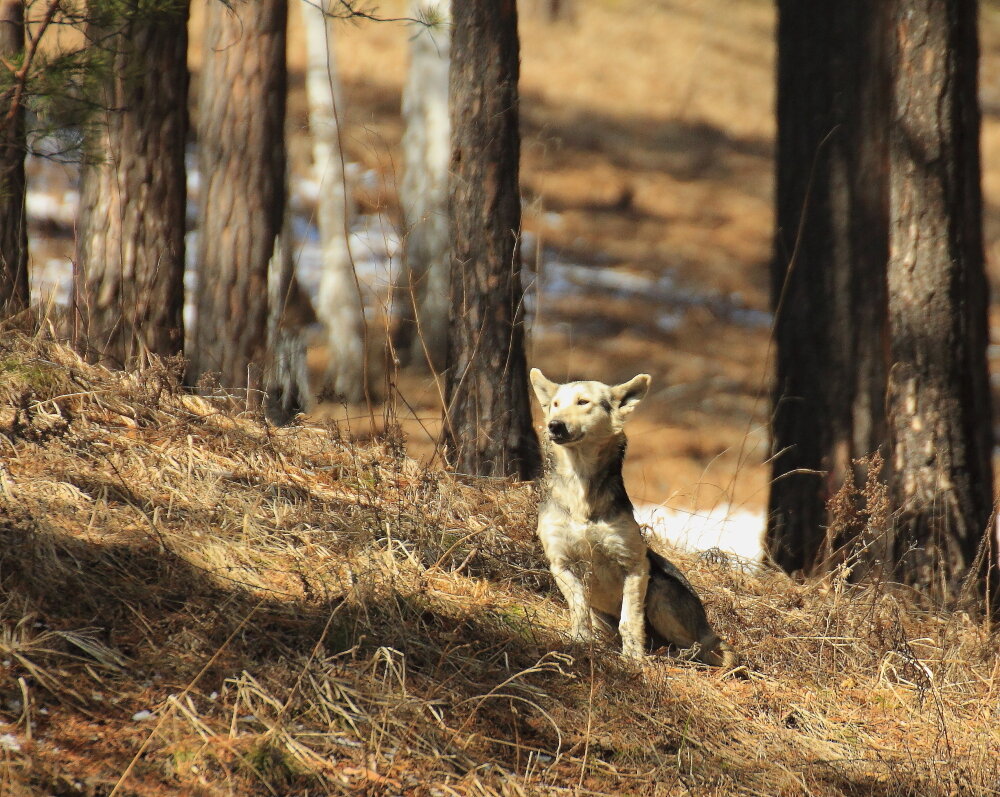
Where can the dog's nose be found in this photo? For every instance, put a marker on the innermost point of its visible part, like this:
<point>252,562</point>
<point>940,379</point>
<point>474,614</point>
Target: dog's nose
<point>557,428</point>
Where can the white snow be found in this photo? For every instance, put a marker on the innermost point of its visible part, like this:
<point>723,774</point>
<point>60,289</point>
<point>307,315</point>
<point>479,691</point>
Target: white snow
<point>54,206</point>
<point>561,278</point>
<point>142,716</point>
<point>52,280</point>
<point>734,531</point>
<point>10,743</point>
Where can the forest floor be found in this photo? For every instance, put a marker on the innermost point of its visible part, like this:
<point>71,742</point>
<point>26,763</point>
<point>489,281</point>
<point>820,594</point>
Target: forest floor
<point>196,603</point>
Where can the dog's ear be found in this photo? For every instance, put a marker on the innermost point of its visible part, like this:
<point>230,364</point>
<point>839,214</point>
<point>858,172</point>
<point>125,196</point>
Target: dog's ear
<point>544,389</point>
<point>627,395</point>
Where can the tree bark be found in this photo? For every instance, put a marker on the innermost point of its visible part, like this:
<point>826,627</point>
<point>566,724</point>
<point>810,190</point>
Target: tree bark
<point>241,156</point>
<point>828,272</point>
<point>339,305</point>
<point>14,286</point>
<point>422,336</point>
<point>130,276</point>
<point>488,418</point>
<point>939,401</point>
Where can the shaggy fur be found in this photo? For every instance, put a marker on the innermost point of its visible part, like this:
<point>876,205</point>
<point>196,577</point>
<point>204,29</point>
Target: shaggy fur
<point>591,538</point>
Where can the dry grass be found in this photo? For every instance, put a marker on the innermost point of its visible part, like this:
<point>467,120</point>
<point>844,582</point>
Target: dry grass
<point>303,615</point>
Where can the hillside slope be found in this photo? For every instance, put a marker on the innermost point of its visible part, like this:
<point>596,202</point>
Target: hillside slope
<point>194,602</point>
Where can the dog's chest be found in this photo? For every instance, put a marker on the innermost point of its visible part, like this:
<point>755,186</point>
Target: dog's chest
<point>576,539</point>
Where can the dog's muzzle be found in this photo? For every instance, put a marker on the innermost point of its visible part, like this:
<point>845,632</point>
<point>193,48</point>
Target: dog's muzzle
<point>559,433</point>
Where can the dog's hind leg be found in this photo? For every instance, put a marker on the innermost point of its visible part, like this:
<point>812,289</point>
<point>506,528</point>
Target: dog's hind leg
<point>677,616</point>
<point>575,593</point>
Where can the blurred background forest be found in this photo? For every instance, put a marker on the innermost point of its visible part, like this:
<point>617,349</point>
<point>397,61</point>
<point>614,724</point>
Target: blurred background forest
<point>647,192</point>
<point>646,176</point>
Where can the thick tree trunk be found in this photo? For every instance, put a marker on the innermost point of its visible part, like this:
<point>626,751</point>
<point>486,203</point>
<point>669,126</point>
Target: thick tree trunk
<point>422,337</point>
<point>339,304</point>
<point>130,280</point>
<point>828,273</point>
<point>488,419</point>
<point>241,156</point>
<point>14,287</point>
<point>939,401</point>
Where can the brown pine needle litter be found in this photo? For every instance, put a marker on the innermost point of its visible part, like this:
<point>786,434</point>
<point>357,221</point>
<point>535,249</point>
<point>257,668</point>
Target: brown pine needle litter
<point>194,602</point>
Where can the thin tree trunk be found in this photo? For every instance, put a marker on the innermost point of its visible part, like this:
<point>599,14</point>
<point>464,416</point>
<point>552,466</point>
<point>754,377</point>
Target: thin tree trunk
<point>14,287</point>
<point>339,304</point>
<point>555,10</point>
<point>130,288</point>
<point>289,313</point>
<point>488,420</point>
<point>828,274</point>
<point>241,156</point>
<point>425,278</point>
<point>939,401</point>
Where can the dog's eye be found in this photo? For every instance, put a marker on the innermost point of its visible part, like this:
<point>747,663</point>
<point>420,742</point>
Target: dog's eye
<point>555,404</point>
<point>583,402</point>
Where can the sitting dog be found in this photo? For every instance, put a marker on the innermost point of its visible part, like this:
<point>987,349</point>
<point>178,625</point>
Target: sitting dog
<point>591,538</point>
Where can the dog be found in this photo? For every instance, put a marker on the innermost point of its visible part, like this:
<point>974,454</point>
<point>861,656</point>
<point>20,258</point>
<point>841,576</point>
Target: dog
<point>594,545</point>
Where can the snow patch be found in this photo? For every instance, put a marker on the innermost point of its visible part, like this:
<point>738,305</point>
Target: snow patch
<point>10,743</point>
<point>738,532</point>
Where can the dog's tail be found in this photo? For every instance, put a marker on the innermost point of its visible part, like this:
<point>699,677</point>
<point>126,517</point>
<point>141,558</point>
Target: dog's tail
<point>716,652</point>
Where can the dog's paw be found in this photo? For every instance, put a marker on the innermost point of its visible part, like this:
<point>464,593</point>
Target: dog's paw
<point>582,636</point>
<point>633,652</point>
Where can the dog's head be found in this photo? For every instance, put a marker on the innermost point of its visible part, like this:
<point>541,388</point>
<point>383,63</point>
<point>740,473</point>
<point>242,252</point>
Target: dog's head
<point>580,412</point>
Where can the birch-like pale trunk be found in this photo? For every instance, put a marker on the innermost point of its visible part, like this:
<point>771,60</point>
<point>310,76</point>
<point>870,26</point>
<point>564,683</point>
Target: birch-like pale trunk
<point>424,281</point>
<point>289,313</point>
<point>339,303</point>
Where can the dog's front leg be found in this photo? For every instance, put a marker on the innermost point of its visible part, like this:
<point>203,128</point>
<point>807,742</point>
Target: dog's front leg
<point>575,593</point>
<point>632,624</point>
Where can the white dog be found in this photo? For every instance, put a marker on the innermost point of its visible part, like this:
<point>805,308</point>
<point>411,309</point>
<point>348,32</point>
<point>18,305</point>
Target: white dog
<point>593,543</point>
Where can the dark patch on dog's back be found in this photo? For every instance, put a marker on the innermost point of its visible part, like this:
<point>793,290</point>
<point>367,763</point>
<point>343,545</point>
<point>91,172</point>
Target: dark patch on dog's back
<point>661,567</point>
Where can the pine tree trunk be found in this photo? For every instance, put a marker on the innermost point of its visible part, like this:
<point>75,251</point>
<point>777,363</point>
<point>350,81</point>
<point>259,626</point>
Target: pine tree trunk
<point>130,279</point>
<point>425,297</point>
<point>828,273</point>
<point>14,287</point>
<point>339,304</point>
<point>488,428</point>
<point>241,156</point>
<point>939,401</point>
